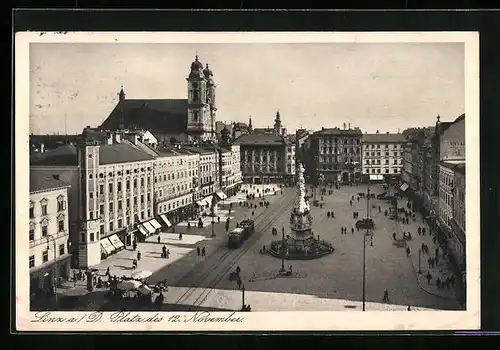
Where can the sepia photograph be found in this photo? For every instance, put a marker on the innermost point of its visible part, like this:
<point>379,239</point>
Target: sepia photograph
<point>222,175</point>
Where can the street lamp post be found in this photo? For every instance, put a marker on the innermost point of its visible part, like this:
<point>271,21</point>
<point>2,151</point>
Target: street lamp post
<point>54,266</point>
<point>419,260</point>
<point>364,247</point>
<point>243,296</point>
<point>283,249</point>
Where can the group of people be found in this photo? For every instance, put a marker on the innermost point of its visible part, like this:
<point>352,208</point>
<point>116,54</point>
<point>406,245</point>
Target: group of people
<point>200,252</point>
<point>343,230</point>
<point>330,214</point>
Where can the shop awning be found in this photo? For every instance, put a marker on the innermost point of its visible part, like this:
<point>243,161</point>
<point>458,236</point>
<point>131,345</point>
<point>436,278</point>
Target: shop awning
<point>165,220</point>
<point>107,246</point>
<point>221,195</point>
<point>201,203</point>
<point>155,224</point>
<point>376,177</point>
<point>208,200</point>
<point>404,187</point>
<point>143,230</point>
<point>115,241</point>
<point>149,227</point>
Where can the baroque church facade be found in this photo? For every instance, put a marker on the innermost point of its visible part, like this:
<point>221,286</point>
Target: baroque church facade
<point>181,120</point>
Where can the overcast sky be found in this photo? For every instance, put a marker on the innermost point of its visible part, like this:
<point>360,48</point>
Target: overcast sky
<point>373,86</point>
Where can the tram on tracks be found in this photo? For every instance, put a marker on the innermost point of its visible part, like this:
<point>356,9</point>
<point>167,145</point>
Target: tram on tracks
<point>237,236</point>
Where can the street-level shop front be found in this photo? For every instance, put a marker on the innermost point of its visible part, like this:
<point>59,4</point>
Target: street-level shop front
<point>44,277</point>
<point>110,245</point>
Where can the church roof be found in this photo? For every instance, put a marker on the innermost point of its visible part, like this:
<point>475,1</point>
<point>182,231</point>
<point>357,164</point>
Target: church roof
<point>65,155</point>
<point>161,115</point>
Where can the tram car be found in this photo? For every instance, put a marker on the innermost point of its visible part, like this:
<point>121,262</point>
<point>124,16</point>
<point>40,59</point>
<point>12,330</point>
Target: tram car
<point>237,236</point>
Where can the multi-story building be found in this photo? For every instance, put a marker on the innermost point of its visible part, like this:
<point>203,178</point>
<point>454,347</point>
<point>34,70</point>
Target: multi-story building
<point>290,161</point>
<point>175,183</point>
<point>383,155</point>
<point>226,167</point>
<point>457,245</point>
<point>236,178</point>
<point>49,258</point>
<point>337,154</point>
<point>262,157</point>
<point>413,169</point>
<point>114,192</point>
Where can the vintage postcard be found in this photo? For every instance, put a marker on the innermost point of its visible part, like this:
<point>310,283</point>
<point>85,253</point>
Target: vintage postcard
<point>247,181</point>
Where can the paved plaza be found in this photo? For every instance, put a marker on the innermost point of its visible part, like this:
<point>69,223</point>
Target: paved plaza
<point>339,276</point>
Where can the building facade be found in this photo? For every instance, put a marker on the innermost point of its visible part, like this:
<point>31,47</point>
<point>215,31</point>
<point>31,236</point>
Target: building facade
<point>175,184</point>
<point>236,178</point>
<point>337,154</point>
<point>458,222</point>
<point>49,257</point>
<point>382,154</point>
<point>290,161</point>
<point>118,194</point>
<point>262,158</point>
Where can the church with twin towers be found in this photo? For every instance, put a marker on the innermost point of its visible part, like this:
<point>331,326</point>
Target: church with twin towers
<point>192,119</point>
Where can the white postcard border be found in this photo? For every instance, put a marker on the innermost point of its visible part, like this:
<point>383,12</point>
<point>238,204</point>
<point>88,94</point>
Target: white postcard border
<point>252,321</point>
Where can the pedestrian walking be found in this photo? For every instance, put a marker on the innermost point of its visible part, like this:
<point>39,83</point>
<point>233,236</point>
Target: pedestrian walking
<point>159,239</point>
<point>333,214</point>
<point>379,209</point>
<point>452,281</point>
<point>350,202</point>
<point>423,231</point>
<point>409,235</point>
<point>198,250</point>
<point>203,251</point>
<point>437,259</point>
<point>218,218</point>
<point>436,252</point>
<point>428,277</point>
<point>253,213</point>
<point>139,255</point>
<point>419,230</point>
<point>352,230</point>
<point>408,251</point>
<point>385,299</point>
<point>134,245</point>
<point>429,262</point>
<point>238,281</point>
<point>438,283</point>
<point>134,263</point>
<point>394,236</point>
<point>107,272</point>
<point>180,236</point>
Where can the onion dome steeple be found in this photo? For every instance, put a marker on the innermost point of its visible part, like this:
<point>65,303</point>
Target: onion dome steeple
<point>196,69</point>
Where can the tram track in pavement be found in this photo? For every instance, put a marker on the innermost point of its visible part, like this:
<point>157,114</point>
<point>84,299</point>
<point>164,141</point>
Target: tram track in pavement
<point>227,258</point>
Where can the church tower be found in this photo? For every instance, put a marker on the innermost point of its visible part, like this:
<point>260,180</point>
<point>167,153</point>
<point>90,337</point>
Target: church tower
<point>277,123</point>
<point>209,76</point>
<point>199,124</point>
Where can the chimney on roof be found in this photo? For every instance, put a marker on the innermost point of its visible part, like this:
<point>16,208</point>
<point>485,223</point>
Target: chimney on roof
<point>55,176</point>
<point>387,132</point>
<point>349,126</point>
<point>377,131</point>
<point>344,126</point>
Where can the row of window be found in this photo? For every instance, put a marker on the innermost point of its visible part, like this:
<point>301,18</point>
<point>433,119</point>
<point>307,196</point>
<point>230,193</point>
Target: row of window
<point>171,190</point>
<point>394,154</point>
<point>45,256</point>
<point>44,227</point>
<point>120,173</point>
<point>335,150</point>
<point>377,161</point>
<point>347,141</point>
<point>177,175</point>
<point>119,185</point>
<point>378,146</point>
<point>61,206</point>
<point>378,171</point>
